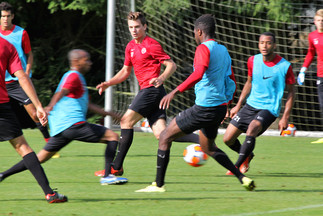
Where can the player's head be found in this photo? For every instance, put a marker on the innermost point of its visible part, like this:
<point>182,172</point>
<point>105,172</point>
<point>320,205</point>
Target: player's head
<point>318,20</point>
<point>137,25</point>
<point>267,43</point>
<point>79,60</point>
<point>7,15</point>
<point>205,24</point>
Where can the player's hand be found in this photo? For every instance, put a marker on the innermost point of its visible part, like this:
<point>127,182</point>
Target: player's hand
<point>42,116</point>
<point>102,87</point>
<point>227,115</point>
<point>116,116</point>
<point>165,101</point>
<point>234,111</point>
<point>156,82</point>
<point>282,125</point>
<point>48,109</point>
<point>301,76</point>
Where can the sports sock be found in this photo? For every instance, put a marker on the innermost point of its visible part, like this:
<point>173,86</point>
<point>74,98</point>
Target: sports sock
<point>236,146</point>
<point>19,167</point>
<point>126,138</point>
<point>32,163</point>
<point>162,163</point>
<point>246,149</point>
<point>109,154</point>
<point>43,130</point>
<point>192,138</point>
<point>222,158</point>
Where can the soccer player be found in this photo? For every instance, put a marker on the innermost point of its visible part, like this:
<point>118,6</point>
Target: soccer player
<point>67,119</point>
<point>146,56</point>
<point>20,39</point>
<point>213,89</point>
<point>268,75</point>
<point>315,40</point>
<point>10,129</point>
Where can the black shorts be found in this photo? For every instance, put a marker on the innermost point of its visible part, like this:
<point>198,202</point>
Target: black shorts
<point>146,103</point>
<point>85,132</point>
<point>9,125</point>
<point>320,92</point>
<point>248,113</point>
<point>208,119</point>
<point>16,92</point>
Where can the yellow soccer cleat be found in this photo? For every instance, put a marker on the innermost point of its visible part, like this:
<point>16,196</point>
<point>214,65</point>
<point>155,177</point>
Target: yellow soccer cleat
<point>152,188</point>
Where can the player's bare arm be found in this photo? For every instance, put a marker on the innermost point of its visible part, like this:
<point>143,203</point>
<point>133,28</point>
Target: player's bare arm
<point>121,76</point>
<point>282,125</point>
<point>30,60</point>
<point>169,70</point>
<point>245,91</point>
<point>28,87</point>
<point>99,110</point>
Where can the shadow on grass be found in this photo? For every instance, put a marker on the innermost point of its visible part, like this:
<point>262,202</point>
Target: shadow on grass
<point>292,175</point>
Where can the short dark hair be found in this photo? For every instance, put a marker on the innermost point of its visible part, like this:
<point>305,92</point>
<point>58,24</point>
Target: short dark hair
<point>136,16</point>
<point>5,6</point>
<point>206,23</point>
<point>269,34</point>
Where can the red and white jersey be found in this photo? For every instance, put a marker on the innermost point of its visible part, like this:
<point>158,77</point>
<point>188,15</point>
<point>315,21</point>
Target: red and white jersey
<point>9,60</point>
<point>146,59</point>
<point>315,40</point>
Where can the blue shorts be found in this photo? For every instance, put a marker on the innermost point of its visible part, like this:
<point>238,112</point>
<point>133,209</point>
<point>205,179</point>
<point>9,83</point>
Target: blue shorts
<point>208,119</point>
<point>146,103</point>
<point>85,132</point>
<point>248,113</point>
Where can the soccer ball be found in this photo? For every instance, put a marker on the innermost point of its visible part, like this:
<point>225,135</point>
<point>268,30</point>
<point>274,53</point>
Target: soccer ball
<point>289,131</point>
<point>194,156</point>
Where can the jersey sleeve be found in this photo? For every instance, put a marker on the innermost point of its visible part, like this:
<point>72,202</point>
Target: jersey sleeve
<point>74,85</point>
<point>157,52</point>
<point>290,78</point>
<point>14,63</point>
<point>250,65</point>
<point>201,64</point>
<point>26,42</point>
<point>310,52</point>
<point>127,59</point>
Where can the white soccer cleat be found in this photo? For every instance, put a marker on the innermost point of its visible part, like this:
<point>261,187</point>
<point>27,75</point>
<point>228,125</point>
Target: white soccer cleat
<point>112,179</point>
<point>152,188</point>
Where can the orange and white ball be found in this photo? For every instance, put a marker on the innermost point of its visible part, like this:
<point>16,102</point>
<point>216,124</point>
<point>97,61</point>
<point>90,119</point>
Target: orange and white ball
<point>194,156</point>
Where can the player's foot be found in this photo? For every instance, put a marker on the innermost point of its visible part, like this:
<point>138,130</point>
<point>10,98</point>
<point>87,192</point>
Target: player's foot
<point>229,173</point>
<point>152,188</point>
<point>245,165</point>
<point>56,198</point>
<point>56,155</point>
<point>112,179</point>
<point>318,141</point>
<point>113,171</point>
<point>1,177</point>
<point>248,183</point>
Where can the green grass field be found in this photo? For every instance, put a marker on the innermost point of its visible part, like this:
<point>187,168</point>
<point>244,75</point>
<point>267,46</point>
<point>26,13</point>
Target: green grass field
<point>287,170</point>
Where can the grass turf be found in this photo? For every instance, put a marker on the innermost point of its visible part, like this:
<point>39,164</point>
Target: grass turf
<point>287,171</point>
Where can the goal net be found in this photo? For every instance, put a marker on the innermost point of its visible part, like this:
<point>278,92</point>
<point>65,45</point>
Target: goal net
<point>238,25</point>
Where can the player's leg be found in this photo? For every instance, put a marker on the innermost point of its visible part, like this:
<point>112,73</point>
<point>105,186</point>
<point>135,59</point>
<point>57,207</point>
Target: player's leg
<point>42,156</point>
<point>129,119</point>
<point>230,137</point>
<point>320,97</point>
<point>171,132</point>
<point>158,124</point>
<point>33,165</point>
